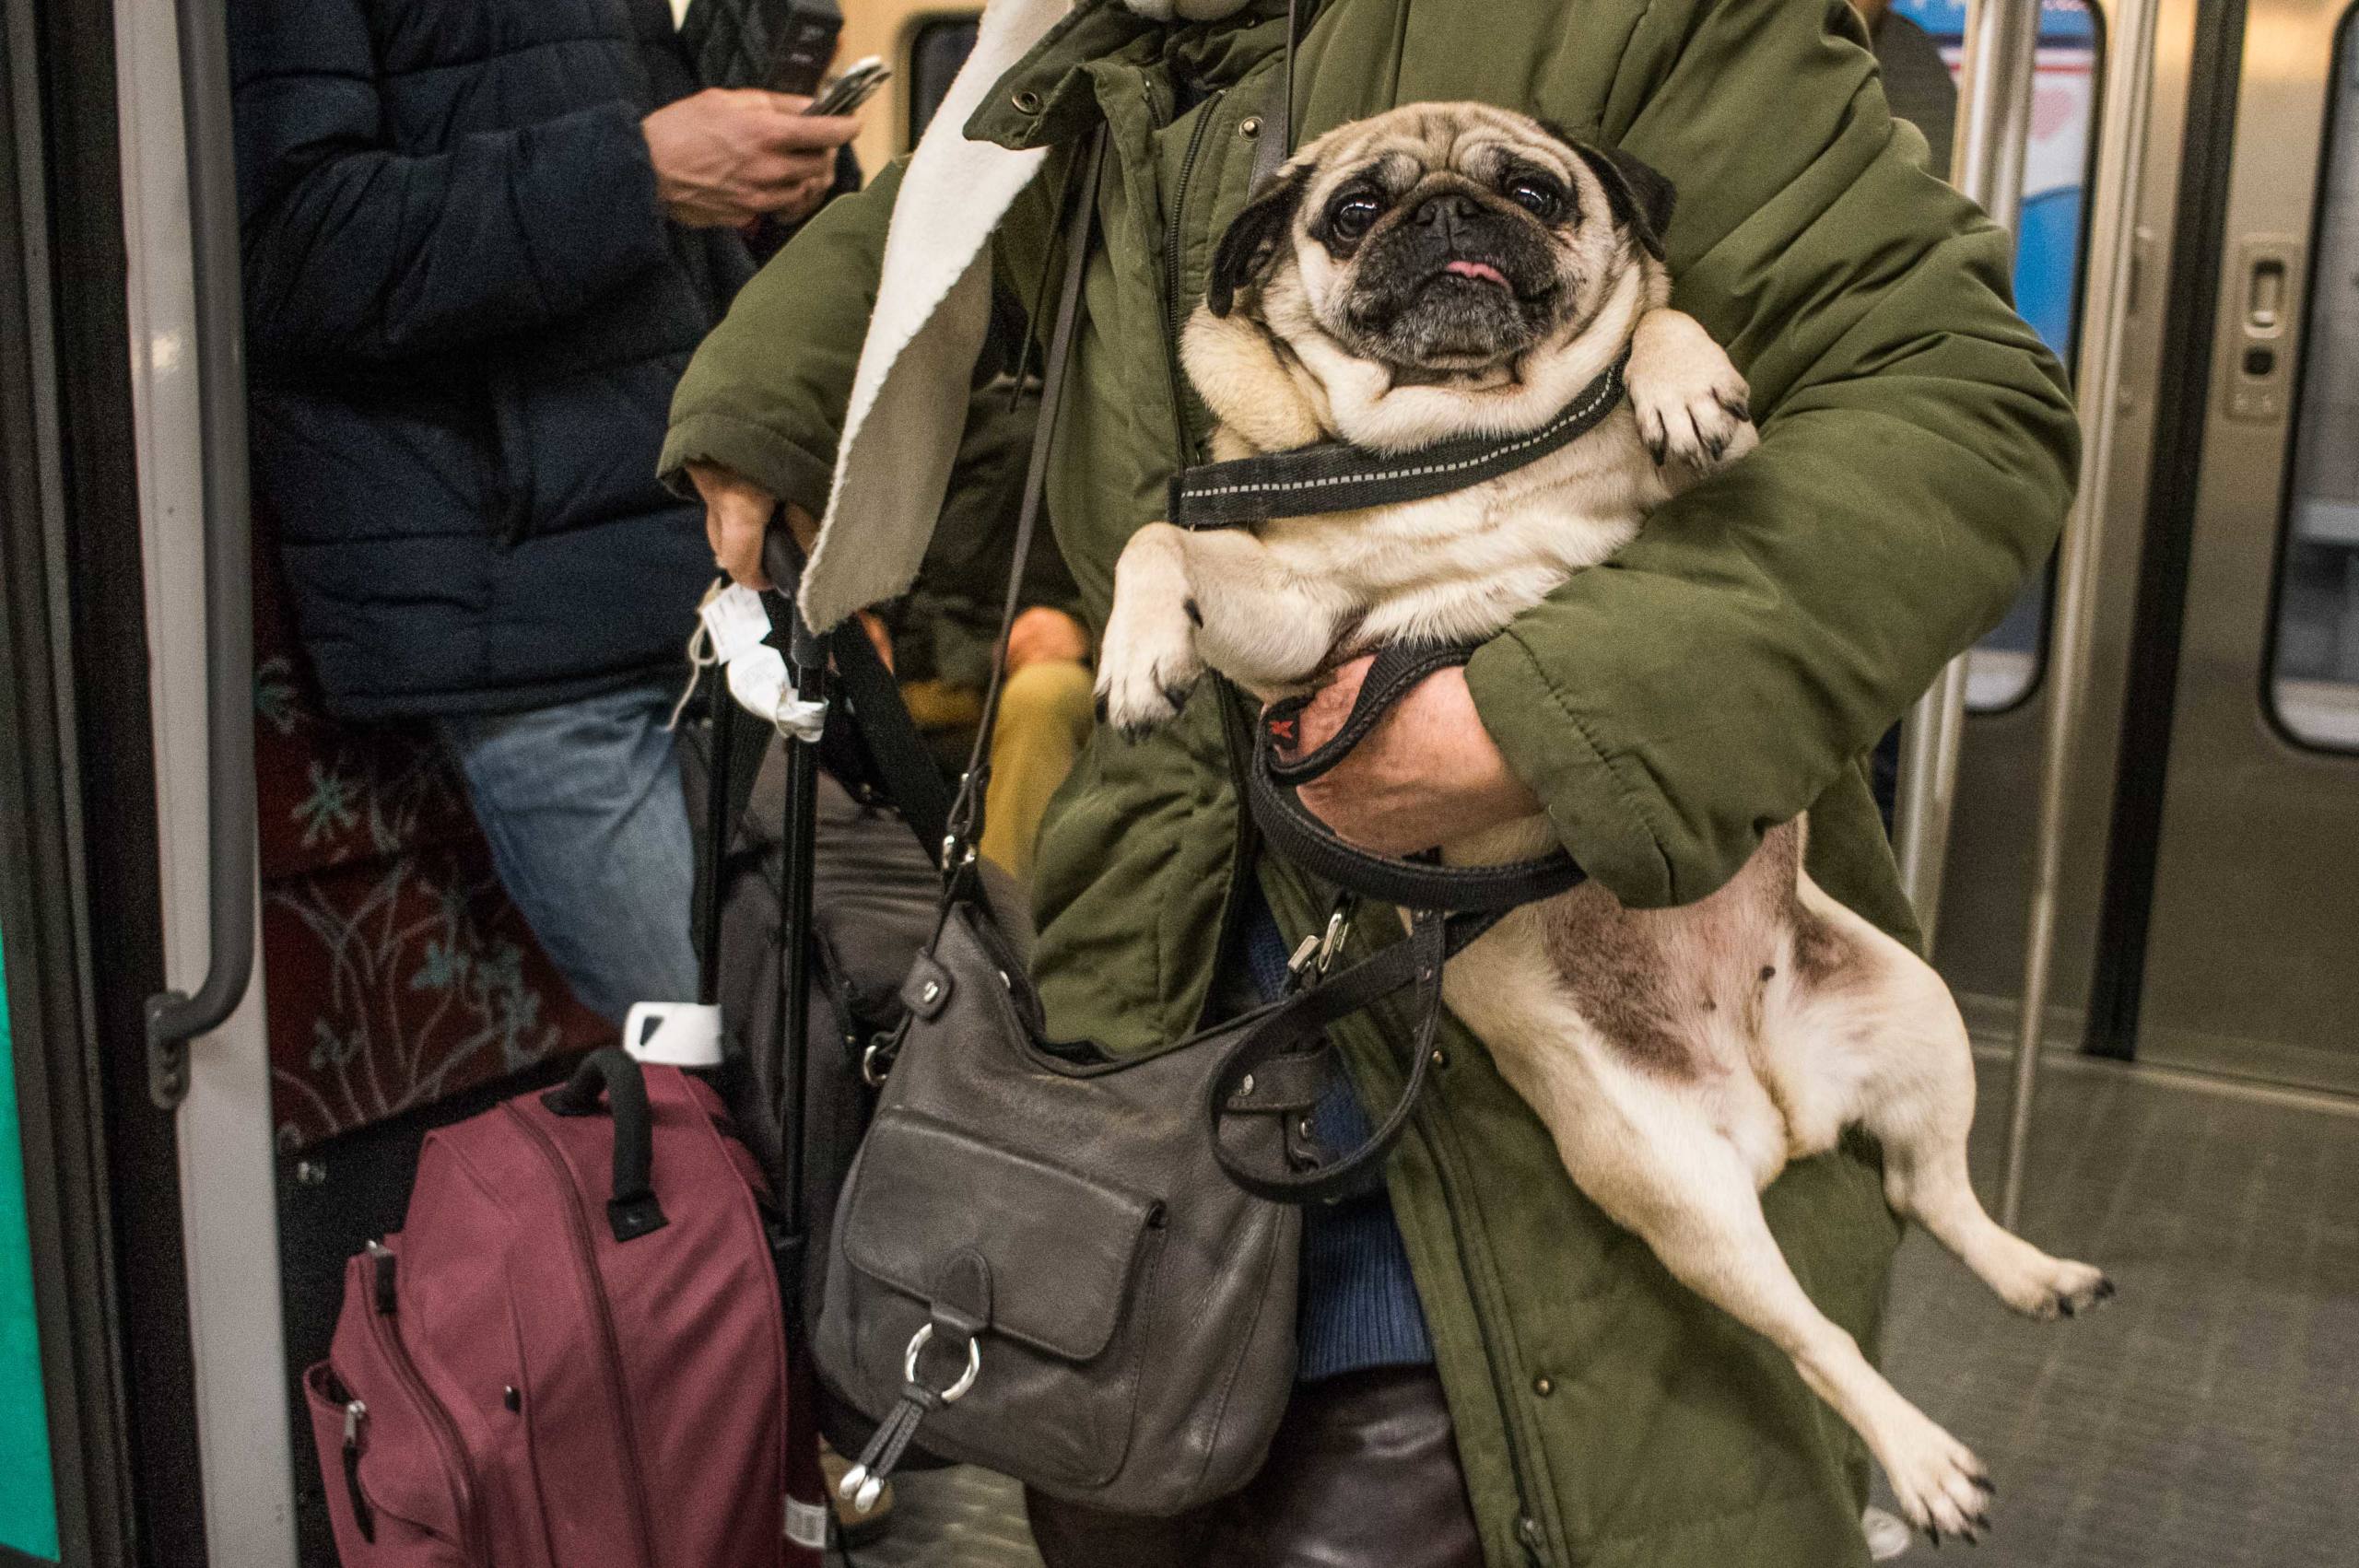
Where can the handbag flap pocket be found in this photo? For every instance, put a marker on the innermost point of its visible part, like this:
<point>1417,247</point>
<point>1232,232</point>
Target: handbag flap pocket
<point>1060,1249</point>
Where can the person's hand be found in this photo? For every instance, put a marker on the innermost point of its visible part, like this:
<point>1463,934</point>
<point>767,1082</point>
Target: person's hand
<point>1428,771</point>
<point>727,155</point>
<point>736,514</point>
<point>1041,635</point>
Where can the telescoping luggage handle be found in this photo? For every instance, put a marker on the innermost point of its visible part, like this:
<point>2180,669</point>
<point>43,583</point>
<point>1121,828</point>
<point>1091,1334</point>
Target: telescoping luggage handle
<point>631,1208</point>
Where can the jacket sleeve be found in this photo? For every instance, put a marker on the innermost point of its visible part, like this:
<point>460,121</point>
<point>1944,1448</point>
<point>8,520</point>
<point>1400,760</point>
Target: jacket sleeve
<point>1918,453</point>
<point>354,251</point>
<point>766,393</point>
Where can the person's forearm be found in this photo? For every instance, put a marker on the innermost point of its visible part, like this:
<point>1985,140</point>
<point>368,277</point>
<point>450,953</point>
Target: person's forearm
<point>1919,450</point>
<point>764,398</point>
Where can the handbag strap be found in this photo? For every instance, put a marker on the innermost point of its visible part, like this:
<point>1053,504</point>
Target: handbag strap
<point>964,816</point>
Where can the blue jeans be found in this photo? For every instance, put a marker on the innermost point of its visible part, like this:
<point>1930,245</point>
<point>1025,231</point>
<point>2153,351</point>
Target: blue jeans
<point>589,830</point>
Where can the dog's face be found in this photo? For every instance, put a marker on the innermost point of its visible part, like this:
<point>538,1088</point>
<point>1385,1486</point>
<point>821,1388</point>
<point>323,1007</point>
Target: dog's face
<point>1443,240</point>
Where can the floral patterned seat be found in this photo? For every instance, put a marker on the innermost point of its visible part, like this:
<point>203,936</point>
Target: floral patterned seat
<point>396,972</point>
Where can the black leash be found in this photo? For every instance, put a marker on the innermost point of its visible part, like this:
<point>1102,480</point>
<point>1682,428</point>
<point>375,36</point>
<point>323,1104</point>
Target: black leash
<point>1450,906</point>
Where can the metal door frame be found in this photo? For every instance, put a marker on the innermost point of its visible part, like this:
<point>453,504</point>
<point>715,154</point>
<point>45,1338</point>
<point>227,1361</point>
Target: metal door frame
<point>229,1211</point>
<point>2223,732</point>
<point>2131,199</point>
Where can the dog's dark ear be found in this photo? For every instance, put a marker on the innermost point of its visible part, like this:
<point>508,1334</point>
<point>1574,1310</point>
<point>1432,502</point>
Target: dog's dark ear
<point>1639,195</point>
<point>1255,240</point>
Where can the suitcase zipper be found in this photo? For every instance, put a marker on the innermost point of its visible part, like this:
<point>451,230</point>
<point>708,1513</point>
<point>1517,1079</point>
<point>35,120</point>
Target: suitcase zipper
<point>585,1251</point>
<point>438,1420</point>
<point>354,1412</point>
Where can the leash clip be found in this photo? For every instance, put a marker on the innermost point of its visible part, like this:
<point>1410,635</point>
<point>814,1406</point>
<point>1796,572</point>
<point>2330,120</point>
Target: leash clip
<point>1316,953</point>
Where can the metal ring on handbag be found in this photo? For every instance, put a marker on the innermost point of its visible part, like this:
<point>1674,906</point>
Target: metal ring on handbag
<point>956,1391</point>
<point>876,1061</point>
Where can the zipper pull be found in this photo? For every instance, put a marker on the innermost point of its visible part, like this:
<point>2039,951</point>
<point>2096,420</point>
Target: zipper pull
<point>354,1412</point>
<point>381,1275</point>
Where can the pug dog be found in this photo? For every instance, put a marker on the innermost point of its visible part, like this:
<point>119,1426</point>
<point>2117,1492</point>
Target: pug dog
<point>1453,269</point>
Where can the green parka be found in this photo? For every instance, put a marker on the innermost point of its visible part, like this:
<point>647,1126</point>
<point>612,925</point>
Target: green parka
<point>1726,671</point>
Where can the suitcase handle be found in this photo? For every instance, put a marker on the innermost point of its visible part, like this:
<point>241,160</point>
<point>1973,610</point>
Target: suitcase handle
<point>632,1210</point>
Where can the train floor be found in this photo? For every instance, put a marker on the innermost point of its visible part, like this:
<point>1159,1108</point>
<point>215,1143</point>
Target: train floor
<point>2205,1419</point>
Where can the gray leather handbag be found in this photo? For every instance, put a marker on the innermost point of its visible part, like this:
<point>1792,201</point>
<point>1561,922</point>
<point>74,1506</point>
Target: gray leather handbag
<point>1038,1263</point>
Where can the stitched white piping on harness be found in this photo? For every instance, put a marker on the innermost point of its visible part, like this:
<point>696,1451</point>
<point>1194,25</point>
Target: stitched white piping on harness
<point>1571,416</point>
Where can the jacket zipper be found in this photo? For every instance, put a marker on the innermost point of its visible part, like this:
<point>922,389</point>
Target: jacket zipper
<point>1173,239</point>
<point>1231,715</point>
<point>585,1251</point>
<point>447,1441</point>
<point>1433,1120</point>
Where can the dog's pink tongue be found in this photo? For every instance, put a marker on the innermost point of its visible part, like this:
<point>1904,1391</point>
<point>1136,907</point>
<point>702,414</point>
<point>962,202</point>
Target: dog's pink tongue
<point>1481,271</point>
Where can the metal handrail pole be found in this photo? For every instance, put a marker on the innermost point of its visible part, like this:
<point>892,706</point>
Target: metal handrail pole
<point>2069,645</point>
<point>1993,134</point>
<point>174,1017</point>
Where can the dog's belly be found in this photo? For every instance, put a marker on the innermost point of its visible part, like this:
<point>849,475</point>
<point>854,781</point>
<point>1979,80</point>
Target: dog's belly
<point>1733,1004</point>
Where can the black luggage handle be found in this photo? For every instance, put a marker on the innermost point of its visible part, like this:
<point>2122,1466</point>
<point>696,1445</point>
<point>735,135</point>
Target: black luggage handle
<point>631,1211</point>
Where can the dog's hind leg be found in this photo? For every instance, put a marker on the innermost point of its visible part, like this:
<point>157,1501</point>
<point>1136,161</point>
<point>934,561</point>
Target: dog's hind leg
<point>1917,1096</point>
<point>1687,1192</point>
<point>1655,1141</point>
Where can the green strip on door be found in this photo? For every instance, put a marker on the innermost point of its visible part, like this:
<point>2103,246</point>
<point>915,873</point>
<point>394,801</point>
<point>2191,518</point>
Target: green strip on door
<point>27,1489</point>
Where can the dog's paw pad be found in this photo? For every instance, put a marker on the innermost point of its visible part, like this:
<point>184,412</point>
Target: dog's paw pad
<point>1694,408</point>
<point>1136,694</point>
<point>2076,1290</point>
<point>1941,1488</point>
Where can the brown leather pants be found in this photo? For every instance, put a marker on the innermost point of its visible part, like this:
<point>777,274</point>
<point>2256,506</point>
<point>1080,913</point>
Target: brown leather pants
<point>1364,1474</point>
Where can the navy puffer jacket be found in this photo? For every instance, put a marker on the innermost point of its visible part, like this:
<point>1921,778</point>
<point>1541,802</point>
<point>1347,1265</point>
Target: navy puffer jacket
<point>465,312</point>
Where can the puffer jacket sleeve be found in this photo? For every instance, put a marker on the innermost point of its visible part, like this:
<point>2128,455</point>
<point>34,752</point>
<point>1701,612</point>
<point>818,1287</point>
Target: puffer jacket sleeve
<point>766,393</point>
<point>353,249</point>
<point>1918,453</point>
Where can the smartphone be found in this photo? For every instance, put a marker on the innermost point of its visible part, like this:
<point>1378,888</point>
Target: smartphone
<point>854,87</point>
<point>806,32</point>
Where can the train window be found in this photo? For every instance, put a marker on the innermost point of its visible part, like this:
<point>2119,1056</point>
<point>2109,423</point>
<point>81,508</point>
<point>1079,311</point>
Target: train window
<point>2004,666</point>
<point>938,46</point>
<point>2314,675</point>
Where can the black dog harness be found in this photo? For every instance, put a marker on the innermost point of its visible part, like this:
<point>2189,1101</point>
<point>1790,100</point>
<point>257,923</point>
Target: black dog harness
<point>1331,477</point>
<point>1449,906</point>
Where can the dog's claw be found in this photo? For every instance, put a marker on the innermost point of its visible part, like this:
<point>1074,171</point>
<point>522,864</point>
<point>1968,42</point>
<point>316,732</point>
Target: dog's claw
<point>2106,1290</point>
<point>1984,1484</point>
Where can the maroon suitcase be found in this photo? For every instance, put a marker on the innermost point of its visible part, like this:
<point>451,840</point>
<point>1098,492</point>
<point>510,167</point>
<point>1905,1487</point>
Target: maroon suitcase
<point>574,1354</point>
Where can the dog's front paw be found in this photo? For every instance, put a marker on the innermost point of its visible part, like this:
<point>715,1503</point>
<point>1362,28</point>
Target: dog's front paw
<point>1693,407</point>
<point>1145,671</point>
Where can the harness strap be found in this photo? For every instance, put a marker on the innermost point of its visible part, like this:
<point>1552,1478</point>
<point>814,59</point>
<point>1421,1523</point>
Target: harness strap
<point>1333,477</point>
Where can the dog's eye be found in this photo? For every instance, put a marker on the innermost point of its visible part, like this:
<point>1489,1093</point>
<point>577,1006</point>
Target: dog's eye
<point>1353,216</point>
<point>1537,197</point>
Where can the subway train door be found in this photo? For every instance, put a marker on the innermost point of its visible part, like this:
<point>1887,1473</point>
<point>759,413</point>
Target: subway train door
<point>2251,951</point>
